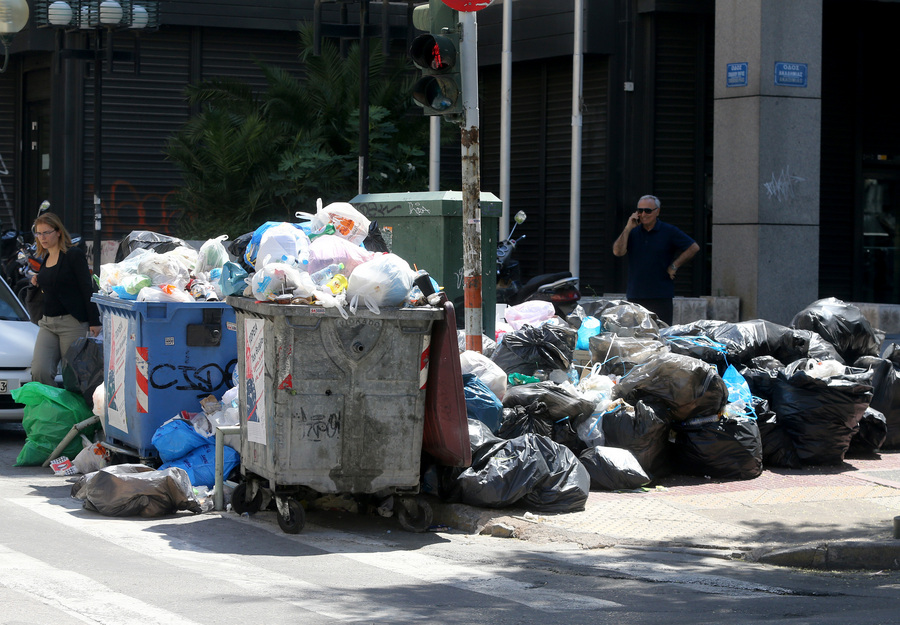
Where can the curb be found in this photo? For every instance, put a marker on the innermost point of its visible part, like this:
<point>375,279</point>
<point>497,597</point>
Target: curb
<point>862,555</point>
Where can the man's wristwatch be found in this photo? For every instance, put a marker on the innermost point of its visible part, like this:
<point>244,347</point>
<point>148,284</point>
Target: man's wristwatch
<point>673,267</point>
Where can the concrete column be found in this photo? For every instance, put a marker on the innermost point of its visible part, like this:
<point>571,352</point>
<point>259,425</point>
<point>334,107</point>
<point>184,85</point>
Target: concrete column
<point>765,219</point>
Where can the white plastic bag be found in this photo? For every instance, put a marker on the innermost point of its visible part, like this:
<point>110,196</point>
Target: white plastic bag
<point>283,243</point>
<point>533,313</point>
<point>329,248</point>
<point>276,279</point>
<point>164,293</point>
<point>165,269</point>
<point>383,281</point>
<point>348,222</point>
<point>212,254</point>
<point>489,372</point>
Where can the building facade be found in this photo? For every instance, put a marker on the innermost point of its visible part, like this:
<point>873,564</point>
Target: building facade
<point>659,116</point>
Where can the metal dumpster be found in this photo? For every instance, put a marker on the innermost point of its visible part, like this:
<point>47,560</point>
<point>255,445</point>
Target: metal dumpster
<point>161,358</point>
<point>331,404</point>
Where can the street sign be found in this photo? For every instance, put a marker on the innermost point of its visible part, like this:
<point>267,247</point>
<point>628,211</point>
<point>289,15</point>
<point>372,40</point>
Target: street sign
<point>736,75</point>
<point>790,74</point>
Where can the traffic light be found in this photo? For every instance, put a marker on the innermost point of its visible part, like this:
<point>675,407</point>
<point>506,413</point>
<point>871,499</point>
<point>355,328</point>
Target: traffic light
<point>439,90</point>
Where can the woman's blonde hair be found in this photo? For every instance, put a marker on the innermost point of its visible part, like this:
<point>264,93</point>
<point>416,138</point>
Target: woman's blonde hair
<point>52,221</point>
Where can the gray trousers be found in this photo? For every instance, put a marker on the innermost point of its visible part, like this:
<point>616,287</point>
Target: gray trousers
<point>54,338</point>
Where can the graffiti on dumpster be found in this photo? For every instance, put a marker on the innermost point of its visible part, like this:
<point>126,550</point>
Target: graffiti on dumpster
<point>782,187</point>
<point>377,209</point>
<point>318,427</point>
<point>416,208</point>
<point>204,379</point>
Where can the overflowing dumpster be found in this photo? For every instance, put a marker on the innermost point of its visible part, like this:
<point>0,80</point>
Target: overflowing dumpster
<point>160,357</point>
<point>331,404</point>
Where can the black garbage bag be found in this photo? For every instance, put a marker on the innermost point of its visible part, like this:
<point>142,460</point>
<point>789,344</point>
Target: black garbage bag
<point>144,239</point>
<point>618,355</point>
<point>237,248</point>
<point>885,381</point>
<point>82,367</point>
<point>519,420</point>
<point>692,339</point>
<point>613,468</point>
<point>629,319</point>
<point>374,241</point>
<point>560,401</point>
<point>842,325</point>
<point>819,415</point>
<point>688,386</point>
<point>721,447</point>
<point>537,419</point>
<point>136,490</point>
<point>871,435</point>
<point>531,348</point>
<point>758,337</point>
<point>644,431</point>
<point>761,378</point>
<point>530,470</point>
<point>778,449</point>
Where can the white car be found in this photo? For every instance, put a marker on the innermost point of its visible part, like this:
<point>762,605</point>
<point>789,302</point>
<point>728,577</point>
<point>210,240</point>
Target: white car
<point>17,336</point>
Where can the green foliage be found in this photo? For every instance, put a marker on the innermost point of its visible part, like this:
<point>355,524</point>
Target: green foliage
<point>249,157</point>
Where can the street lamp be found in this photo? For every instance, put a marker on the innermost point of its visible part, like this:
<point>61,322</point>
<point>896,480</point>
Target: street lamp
<point>97,17</point>
<point>13,16</point>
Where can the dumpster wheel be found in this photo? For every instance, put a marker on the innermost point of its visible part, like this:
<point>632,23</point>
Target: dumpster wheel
<point>239,501</point>
<point>414,514</point>
<point>291,517</point>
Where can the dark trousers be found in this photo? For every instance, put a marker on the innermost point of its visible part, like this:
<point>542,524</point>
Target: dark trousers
<point>663,307</point>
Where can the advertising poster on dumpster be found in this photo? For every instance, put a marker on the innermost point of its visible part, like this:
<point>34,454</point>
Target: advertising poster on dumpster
<point>115,374</point>
<point>255,366</point>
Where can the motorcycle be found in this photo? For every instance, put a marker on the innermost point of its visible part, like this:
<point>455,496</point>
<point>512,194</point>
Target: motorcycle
<point>560,288</point>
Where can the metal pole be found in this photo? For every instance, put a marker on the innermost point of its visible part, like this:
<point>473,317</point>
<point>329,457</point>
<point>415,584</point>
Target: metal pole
<point>505,119</point>
<point>219,484</point>
<point>575,199</point>
<point>363,97</point>
<point>471,181</point>
<point>434,154</point>
<point>98,117</point>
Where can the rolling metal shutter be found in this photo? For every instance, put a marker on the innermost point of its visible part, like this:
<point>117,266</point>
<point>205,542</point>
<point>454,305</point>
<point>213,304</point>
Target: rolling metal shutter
<point>681,114</point>
<point>141,112</point>
<point>9,95</point>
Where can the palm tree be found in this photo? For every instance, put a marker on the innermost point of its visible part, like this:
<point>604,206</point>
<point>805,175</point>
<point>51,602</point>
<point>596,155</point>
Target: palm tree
<point>249,157</point>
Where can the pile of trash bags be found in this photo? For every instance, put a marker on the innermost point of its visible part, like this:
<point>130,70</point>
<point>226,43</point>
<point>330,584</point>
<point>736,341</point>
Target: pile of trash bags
<point>710,398</point>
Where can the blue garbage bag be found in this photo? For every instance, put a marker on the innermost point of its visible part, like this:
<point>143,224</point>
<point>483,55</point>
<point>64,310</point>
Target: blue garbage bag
<point>481,402</point>
<point>176,438</point>
<point>200,464</point>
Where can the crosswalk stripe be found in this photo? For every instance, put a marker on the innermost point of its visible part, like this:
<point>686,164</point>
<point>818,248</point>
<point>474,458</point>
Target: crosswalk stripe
<point>77,595</point>
<point>335,603</point>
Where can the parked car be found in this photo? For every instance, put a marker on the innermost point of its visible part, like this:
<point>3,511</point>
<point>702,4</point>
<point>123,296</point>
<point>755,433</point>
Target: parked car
<point>16,348</point>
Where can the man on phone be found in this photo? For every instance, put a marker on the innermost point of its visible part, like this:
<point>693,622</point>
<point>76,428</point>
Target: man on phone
<point>655,252</point>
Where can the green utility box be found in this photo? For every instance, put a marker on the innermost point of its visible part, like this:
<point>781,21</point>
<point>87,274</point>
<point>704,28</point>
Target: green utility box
<point>425,229</point>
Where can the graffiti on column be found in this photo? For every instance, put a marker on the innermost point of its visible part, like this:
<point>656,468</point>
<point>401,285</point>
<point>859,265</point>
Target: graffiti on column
<point>782,187</point>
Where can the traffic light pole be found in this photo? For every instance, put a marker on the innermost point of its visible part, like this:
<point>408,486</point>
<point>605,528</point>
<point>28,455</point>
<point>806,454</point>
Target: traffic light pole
<point>471,181</point>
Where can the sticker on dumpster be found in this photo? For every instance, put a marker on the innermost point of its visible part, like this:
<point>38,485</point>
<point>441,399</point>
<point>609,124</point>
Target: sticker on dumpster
<point>115,374</point>
<point>170,340</point>
<point>255,368</point>
<point>423,362</point>
<point>231,325</point>
<point>142,384</point>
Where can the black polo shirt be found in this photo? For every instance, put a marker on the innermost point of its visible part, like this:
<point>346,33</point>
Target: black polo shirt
<point>649,255</point>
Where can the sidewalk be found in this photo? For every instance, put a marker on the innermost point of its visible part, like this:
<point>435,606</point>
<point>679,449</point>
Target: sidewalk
<point>819,517</point>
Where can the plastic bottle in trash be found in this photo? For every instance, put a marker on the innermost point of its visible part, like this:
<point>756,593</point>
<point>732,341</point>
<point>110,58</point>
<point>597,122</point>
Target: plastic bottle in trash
<point>337,284</point>
<point>322,276</point>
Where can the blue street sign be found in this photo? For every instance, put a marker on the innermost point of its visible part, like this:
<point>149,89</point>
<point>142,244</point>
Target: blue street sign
<point>790,74</point>
<point>736,75</point>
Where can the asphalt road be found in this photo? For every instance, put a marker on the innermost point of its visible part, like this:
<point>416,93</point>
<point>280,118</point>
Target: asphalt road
<point>61,563</point>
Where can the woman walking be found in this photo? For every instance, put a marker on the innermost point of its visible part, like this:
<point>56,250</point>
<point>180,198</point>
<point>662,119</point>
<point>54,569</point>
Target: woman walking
<point>65,282</point>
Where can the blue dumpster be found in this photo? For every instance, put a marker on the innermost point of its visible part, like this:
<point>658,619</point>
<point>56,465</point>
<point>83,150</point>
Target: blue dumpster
<point>161,358</point>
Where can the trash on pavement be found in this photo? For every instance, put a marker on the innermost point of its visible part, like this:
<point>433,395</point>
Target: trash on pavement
<point>136,490</point>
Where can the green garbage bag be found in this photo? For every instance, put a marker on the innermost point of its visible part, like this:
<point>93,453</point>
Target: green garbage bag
<point>50,413</point>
